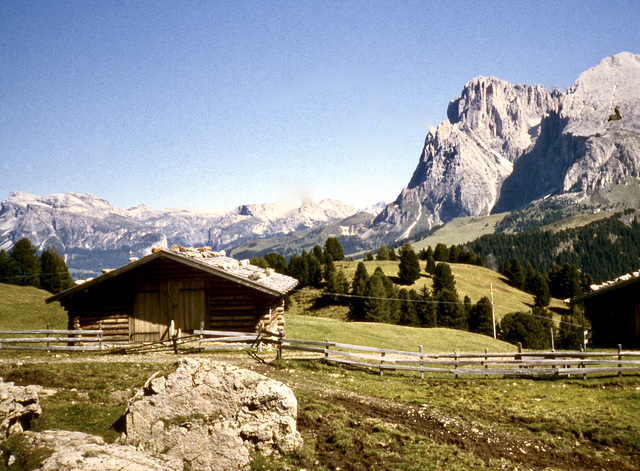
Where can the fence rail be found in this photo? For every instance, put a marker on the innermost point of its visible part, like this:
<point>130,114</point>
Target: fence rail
<point>72,340</point>
<point>478,364</point>
<point>378,359</point>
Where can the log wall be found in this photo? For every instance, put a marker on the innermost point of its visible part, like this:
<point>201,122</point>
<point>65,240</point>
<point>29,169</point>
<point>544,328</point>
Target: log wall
<point>140,304</point>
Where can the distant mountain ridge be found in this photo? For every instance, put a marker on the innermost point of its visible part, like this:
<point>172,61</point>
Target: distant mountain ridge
<point>504,146</point>
<point>94,234</point>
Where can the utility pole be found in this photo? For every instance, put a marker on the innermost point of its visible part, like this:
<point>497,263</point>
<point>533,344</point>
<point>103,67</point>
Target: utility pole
<point>493,313</point>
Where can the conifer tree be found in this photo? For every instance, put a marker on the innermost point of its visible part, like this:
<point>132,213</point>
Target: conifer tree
<point>383,253</point>
<point>441,253</point>
<point>368,257</point>
<point>381,304</point>
<point>5,268</point>
<point>25,263</point>
<point>409,268</point>
<point>408,308</point>
<point>443,278</point>
<point>332,247</point>
<point>392,255</point>
<point>358,288</point>
<point>431,265</point>
<point>54,275</point>
<point>277,262</point>
<point>427,309</point>
<point>449,310</point>
<point>480,318</point>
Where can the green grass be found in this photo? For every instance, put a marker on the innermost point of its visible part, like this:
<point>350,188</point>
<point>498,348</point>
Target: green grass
<point>461,230</point>
<point>396,337</point>
<point>24,307</point>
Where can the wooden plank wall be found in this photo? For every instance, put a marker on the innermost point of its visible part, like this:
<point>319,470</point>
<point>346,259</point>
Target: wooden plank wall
<point>187,295</point>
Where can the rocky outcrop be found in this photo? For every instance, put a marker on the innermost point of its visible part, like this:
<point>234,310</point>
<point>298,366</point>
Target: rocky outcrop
<point>18,406</point>
<point>62,450</point>
<point>211,415</point>
<point>504,146</point>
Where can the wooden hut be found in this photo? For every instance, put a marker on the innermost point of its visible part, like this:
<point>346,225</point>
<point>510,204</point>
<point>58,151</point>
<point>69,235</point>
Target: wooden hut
<point>613,308</point>
<point>191,287</point>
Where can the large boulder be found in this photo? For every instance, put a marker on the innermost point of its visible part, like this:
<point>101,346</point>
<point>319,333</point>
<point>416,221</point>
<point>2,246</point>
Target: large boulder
<point>211,415</point>
<point>18,406</point>
<point>62,450</point>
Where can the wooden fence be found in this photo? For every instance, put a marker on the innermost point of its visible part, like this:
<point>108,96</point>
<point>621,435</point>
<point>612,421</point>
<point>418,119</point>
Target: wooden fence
<point>378,359</point>
<point>478,364</point>
<point>52,340</point>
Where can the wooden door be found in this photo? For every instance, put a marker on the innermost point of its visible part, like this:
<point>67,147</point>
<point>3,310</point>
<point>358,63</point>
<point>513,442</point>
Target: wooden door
<point>146,324</point>
<point>191,306</point>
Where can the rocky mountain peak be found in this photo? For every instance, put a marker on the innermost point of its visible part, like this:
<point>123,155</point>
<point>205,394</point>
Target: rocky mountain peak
<point>506,145</point>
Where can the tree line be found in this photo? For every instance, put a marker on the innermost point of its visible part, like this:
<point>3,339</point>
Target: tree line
<point>23,266</point>
<point>602,249</point>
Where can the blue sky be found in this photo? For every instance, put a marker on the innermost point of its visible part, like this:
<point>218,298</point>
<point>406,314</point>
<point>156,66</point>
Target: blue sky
<point>210,105</point>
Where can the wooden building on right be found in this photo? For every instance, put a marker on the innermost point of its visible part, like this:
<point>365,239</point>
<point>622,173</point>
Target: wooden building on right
<point>613,308</point>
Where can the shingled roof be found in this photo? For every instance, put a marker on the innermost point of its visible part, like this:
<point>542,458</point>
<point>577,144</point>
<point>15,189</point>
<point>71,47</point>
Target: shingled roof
<point>217,263</point>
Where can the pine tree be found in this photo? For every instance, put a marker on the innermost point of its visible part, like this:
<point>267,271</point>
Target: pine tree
<point>431,265</point>
<point>332,247</point>
<point>383,253</point>
<point>6,274</point>
<point>25,263</point>
<point>427,309</point>
<point>454,254</point>
<point>381,304</point>
<point>443,279</point>
<point>480,317</point>
<point>358,288</point>
<point>277,262</point>
<point>54,276</point>
<point>315,269</point>
<point>408,308</point>
<point>392,255</point>
<point>299,269</point>
<point>329,268</point>
<point>319,254</point>
<point>368,257</point>
<point>441,253</point>
<point>449,310</point>
<point>409,268</point>
<point>540,290</point>
<point>516,274</point>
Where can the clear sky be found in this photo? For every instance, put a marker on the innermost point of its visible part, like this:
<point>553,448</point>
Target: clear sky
<point>211,104</point>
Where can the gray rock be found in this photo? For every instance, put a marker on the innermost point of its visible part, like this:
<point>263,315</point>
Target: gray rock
<point>18,406</point>
<point>61,450</point>
<point>211,415</point>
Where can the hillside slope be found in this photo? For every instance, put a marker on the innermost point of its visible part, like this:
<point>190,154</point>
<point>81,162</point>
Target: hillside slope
<point>23,307</point>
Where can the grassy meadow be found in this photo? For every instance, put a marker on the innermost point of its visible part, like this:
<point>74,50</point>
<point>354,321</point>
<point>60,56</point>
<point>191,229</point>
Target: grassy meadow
<point>354,419</point>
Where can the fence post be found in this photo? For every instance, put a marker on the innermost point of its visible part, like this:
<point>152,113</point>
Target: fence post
<point>326,349</point>
<point>455,358</point>
<point>201,334</point>
<point>382,363</point>
<point>48,335</point>
<point>582,365</point>
<point>100,337</point>
<point>279,350</point>
<point>421,364</point>
<point>486,359</point>
<point>619,359</point>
